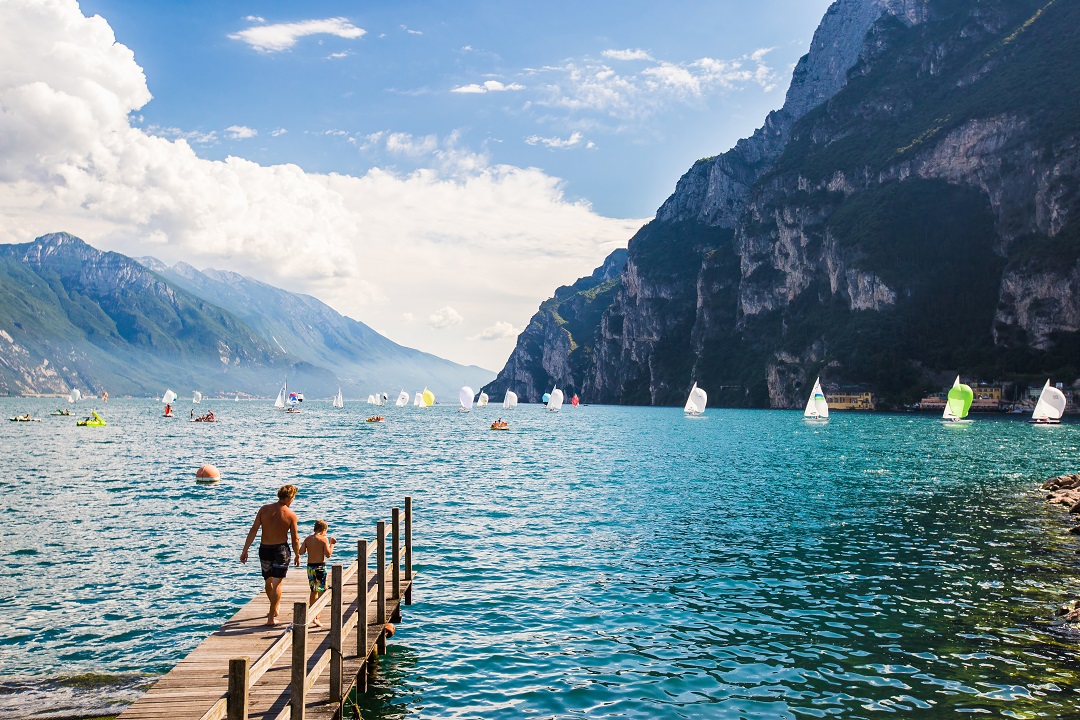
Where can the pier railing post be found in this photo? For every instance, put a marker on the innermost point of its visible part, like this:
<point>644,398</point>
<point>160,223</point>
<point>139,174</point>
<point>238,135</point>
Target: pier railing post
<point>299,661</point>
<point>237,703</point>
<point>335,633</point>
<point>361,612</point>
<point>395,554</point>
<point>408,549</point>
<point>380,617</point>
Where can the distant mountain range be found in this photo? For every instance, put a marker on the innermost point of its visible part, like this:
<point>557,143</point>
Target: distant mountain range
<point>72,316</point>
<point>912,212</point>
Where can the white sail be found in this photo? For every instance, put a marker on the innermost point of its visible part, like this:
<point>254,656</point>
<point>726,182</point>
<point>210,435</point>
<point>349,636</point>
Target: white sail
<point>482,400</point>
<point>168,397</point>
<point>280,402</point>
<point>237,398</point>
<point>696,401</point>
<point>418,401</point>
<point>370,399</point>
<point>949,414</point>
<point>816,406</point>
<point>510,400</point>
<point>465,397</point>
<point>402,399</point>
<point>196,398</point>
<point>556,400</point>
<point>1051,404</point>
<point>75,396</point>
<point>339,401</point>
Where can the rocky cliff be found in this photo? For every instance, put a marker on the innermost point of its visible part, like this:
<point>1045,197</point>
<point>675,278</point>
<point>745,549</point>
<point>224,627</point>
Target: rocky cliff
<point>911,210</point>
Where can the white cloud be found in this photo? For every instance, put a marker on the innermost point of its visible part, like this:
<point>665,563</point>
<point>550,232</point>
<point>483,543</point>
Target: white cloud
<point>194,136</point>
<point>490,241</point>
<point>499,331</point>
<point>240,132</point>
<point>338,55</point>
<point>279,132</point>
<point>445,317</point>
<point>282,36</point>
<point>556,143</point>
<point>410,31</point>
<point>255,19</point>
<point>487,86</point>
<point>627,55</point>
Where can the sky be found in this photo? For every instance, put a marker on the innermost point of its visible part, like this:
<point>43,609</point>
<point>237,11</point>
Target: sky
<point>432,170</point>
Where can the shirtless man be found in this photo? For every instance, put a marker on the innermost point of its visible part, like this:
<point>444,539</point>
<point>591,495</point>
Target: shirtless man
<point>277,522</point>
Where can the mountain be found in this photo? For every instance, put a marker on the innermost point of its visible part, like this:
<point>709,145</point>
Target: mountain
<point>910,212</point>
<point>73,316</point>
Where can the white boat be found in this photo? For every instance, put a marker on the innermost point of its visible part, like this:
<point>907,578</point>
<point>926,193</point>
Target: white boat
<point>482,400</point>
<point>280,402</point>
<point>465,397</point>
<point>1050,408</point>
<point>237,399</point>
<point>418,401</point>
<point>370,399</point>
<point>292,402</point>
<point>74,396</point>
<point>402,399</point>
<point>196,398</point>
<point>957,403</point>
<point>510,400</point>
<point>696,401</point>
<point>556,400</point>
<point>168,397</point>
<point>817,408</point>
<point>339,402</point>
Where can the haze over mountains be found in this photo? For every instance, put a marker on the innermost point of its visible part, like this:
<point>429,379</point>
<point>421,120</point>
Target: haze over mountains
<point>912,212</point>
<point>72,316</point>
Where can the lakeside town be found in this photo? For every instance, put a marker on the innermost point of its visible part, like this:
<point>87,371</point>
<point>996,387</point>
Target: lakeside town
<point>989,397</point>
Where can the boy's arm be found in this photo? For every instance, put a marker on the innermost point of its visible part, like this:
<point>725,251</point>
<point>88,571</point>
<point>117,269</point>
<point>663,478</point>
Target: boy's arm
<point>327,547</point>
<point>251,536</point>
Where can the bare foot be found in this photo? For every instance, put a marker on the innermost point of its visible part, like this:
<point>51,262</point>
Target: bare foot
<point>316,623</point>
<point>270,620</point>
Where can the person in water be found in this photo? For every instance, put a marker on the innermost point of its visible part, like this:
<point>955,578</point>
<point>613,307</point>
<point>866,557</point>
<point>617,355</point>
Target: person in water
<point>278,522</point>
<point>318,548</point>
<point>192,415</point>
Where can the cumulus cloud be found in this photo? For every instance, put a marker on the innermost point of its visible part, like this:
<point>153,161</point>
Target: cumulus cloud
<point>240,132</point>
<point>499,331</point>
<point>376,246</point>
<point>282,36</point>
<point>576,139</point>
<point>279,132</point>
<point>445,317</point>
<point>627,55</point>
<point>487,86</point>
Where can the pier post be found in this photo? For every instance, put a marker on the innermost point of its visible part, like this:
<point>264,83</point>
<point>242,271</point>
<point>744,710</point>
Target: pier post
<point>380,617</point>
<point>299,661</point>
<point>395,554</point>
<point>335,633</point>
<point>237,703</point>
<point>361,612</point>
<point>408,549</point>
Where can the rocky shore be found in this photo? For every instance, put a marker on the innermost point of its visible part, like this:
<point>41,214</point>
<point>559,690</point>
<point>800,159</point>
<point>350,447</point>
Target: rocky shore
<point>1065,490</point>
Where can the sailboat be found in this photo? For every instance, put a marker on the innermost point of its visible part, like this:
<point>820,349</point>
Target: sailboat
<point>339,402</point>
<point>555,401</point>
<point>282,393</point>
<point>371,400</point>
<point>510,400</point>
<point>429,398</point>
<point>1051,406</point>
<point>75,396</point>
<point>237,399</point>
<point>402,399</point>
<point>958,403</point>
<point>696,401</point>
<point>418,401</point>
<point>196,398</point>
<point>465,397</point>
<point>575,401</point>
<point>482,400</point>
<point>817,408</point>
<point>167,398</point>
<point>292,402</point>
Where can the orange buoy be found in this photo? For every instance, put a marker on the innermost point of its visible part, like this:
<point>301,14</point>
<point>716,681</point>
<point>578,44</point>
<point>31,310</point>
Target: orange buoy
<point>390,630</point>
<point>207,474</point>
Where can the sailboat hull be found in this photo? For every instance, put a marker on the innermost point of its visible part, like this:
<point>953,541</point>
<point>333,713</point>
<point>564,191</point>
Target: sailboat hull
<point>1046,421</point>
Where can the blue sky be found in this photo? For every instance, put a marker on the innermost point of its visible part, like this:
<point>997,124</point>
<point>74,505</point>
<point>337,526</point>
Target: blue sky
<point>489,151</point>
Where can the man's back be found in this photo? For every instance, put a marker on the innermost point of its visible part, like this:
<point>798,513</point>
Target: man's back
<point>277,519</point>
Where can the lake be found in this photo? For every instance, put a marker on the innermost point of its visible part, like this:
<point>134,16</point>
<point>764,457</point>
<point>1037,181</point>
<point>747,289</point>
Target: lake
<point>602,561</point>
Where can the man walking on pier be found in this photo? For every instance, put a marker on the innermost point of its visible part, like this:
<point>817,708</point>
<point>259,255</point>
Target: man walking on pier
<point>277,522</point>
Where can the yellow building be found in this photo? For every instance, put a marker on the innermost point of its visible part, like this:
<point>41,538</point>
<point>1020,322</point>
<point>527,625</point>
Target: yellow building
<point>850,400</point>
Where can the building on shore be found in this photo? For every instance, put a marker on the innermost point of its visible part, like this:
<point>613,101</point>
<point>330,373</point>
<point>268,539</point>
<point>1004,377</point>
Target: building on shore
<point>850,399</point>
<point>988,397</point>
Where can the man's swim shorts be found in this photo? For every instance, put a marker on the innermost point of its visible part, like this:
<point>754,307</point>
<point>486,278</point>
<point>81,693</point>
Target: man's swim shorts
<point>274,560</point>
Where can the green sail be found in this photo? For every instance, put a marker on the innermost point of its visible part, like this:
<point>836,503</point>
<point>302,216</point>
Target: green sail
<point>960,397</point>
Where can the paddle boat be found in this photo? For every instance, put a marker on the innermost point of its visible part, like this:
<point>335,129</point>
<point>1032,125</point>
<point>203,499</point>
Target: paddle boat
<point>168,411</point>
<point>208,417</point>
<point>500,424</point>
<point>94,420</point>
<point>376,419</point>
<point>58,411</point>
<point>24,418</point>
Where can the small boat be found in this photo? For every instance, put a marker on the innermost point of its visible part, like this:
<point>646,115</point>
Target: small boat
<point>24,418</point>
<point>292,402</point>
<point>418,401</point>
<point>402,398</point>
<point>482,400</point>
<point>196,398</point>
<point>1050,408</point>
<point>208,417</point>
<point>94,420</point>
<point>817,408</point>
<point>429,398</point>
<point>510,400</point>
<point>58,411</point>
<point>575,401</point>
<point>282,394</point>
<point>339,401</point>
<point>546,398</point>
<point>376,419</point>
<point>75,396</point>
<point>696,401</point>
<point>957,404</point>
<point>500,424</point>
<point>237,399</point>
<point>169,397</point>
<point>169,411</point>
<point>555,400</point>
<point>465,398</point>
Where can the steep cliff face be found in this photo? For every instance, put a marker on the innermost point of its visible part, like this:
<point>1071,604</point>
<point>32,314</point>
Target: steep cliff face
<point>911,209</point>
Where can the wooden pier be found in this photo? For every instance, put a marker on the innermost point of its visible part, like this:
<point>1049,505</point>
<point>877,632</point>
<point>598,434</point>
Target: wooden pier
<point>248,669</point>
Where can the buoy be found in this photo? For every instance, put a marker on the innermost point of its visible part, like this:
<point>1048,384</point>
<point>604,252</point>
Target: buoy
<point>390,630</point>
<point>207,474</point>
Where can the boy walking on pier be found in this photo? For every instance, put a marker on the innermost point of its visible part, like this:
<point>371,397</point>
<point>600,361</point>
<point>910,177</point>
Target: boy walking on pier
<point>278,522</point>
<point>318,548</point>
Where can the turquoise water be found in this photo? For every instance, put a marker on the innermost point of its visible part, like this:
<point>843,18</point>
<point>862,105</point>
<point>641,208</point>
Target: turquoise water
<point>604,561</point>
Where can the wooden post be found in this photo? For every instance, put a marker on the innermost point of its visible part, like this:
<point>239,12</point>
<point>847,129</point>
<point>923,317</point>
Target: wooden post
<point>408,549</point>
<point>299,661</point>
<point>237,702</point>
<point>380,617</point>
<point>335,634</point>
<point>361,612</point>
<point>395,554</point>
